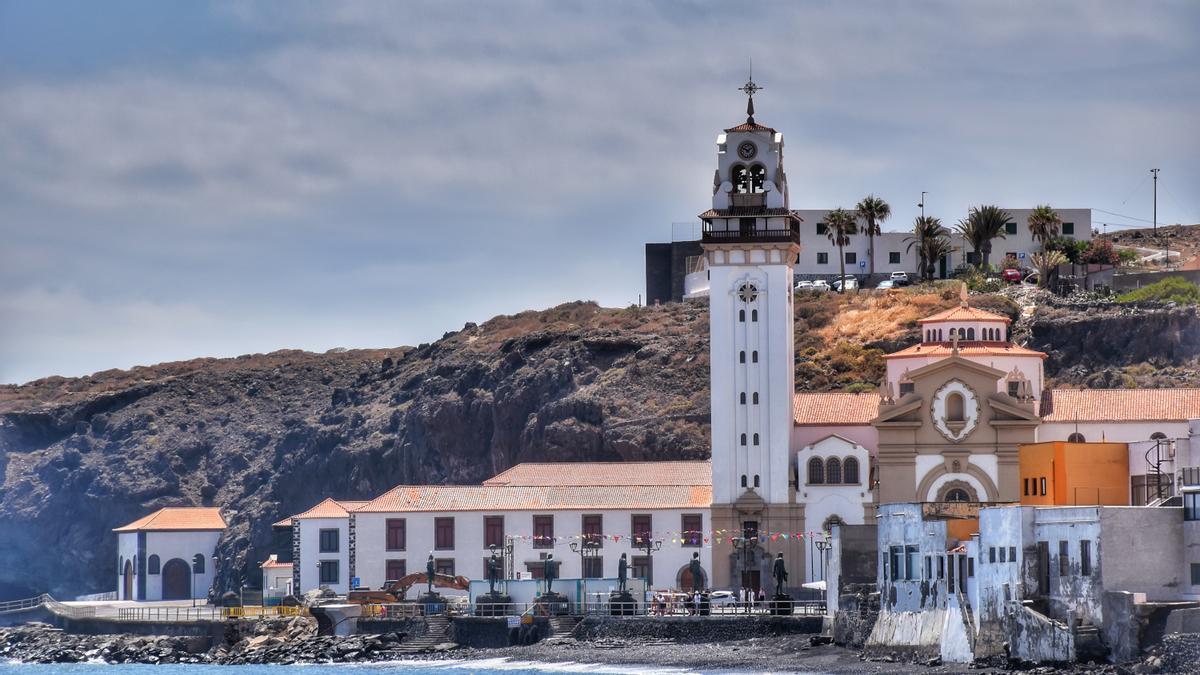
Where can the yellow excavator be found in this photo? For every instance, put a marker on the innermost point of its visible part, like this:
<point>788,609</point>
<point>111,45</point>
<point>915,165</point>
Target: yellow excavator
<point>395,590</point>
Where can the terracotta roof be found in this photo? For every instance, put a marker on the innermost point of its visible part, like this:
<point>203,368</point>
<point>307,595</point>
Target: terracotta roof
<point>178,518</point>
<point>965,349</point>
<point>834,409</point>
<point>275,564</point>
<point>749,126</point>
<point>286,522</point>
<point>407,498</point>
<point>1120,405</point>
<point>331,508</point>
<point>586,474</point>
<point>961,313</point>
<point>735,211</point>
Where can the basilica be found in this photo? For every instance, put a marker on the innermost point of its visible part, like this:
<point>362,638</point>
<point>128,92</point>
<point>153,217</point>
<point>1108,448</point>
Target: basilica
<point>946,425</point>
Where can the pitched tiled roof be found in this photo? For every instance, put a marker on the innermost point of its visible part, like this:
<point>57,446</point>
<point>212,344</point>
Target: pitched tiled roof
<point>584,474</point>
<point>275,564</point>
<point>286,522</point>
<point>178,518</point>
<point>331,508</point>
<point>735,211</point>
<point>408,498</point>
<point>748,126</point>
<point>834,409</point>
<point>961,313</point>
<point>1120,405</point>
<point>964,349</point>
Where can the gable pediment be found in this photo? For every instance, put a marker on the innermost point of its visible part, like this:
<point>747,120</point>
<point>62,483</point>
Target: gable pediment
<point>907,410</point>
<point>954,362</point>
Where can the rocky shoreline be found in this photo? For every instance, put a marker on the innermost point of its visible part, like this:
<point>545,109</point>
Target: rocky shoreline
<point>293,642</point>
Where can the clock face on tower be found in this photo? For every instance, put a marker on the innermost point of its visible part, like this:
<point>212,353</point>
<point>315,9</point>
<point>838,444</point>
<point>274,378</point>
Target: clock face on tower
<point>747,150</point>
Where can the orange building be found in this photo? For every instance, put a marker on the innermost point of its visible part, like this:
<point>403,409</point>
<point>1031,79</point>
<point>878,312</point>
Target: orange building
<point>1058,473</point>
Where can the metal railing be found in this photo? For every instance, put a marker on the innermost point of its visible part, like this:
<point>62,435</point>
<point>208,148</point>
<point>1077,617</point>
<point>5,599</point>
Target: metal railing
<point>668,609</point>
<point>173,614</point>
<point>44,600</point>
<point>27,603</point>
<point>97,597</point>
<point>748,235</point>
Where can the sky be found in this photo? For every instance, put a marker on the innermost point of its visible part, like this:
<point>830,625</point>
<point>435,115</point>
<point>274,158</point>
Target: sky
<point>194,179</point>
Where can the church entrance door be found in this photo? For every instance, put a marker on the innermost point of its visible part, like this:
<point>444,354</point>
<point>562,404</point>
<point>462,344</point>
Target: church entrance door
<point>176,580</point>
<point>752,579</point>
<point>128,590</point>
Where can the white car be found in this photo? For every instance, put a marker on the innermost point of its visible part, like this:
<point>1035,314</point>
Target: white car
<point>804,285</point>
<point>722,599</point>
<point>886,284</point>
<point>820,285</point>
<point>899,278</point>
<point>850,283</point>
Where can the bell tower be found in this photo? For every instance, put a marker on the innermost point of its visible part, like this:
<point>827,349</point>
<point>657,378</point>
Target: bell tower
<point>750,241</point>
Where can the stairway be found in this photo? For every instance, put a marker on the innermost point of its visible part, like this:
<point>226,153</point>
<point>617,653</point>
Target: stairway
<point>437,630</point>
<point>562,627</point>
<point>968,618</point>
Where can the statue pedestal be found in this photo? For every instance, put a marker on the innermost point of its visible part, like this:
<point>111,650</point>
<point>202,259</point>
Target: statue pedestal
<point>554,603</point>
<point>782,605</point>
<point>621,603</point>
<point>494,604</point>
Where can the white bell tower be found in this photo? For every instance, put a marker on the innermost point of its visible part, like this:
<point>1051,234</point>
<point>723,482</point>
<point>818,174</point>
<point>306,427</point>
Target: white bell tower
<point>750,240</point>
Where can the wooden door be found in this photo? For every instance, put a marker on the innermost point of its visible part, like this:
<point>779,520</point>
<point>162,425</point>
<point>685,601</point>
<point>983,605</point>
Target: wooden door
<point>176,580</point>
<point>128,590</point>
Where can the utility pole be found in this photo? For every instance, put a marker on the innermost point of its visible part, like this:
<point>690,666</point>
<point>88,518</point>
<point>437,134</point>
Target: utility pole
<point>922,204</point>
<point>1155,172</point>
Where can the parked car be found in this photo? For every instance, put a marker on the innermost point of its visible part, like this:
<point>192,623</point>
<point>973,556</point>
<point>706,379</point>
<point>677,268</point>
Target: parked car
<point>1012,276</point>
<point>804,285</point>
<point>899,278</point>
<point>722,599</point>
<point>886,284</point>
<point>850,284</point>
<point>820,285</point>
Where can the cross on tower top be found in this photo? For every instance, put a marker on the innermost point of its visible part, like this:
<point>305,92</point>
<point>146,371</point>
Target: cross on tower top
<point>750,88</point>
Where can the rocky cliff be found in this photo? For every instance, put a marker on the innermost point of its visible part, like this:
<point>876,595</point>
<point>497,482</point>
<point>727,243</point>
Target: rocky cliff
<point>265,436</point>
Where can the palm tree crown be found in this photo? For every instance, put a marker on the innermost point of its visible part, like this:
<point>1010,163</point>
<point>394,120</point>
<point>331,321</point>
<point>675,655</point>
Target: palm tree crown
<point>1044,224</point>
<point>873,211</point>
<point>980,227</point>
<point>932,240</point>
<point>840,224</point>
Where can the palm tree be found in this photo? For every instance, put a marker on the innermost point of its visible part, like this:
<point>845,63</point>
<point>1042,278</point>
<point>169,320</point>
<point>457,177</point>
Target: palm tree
<point>932,241</point>
<point>1044,224</point>
<point>874,211</point>
<point>980,227</point>
<point>1047,262</point>
<point>839,225</point>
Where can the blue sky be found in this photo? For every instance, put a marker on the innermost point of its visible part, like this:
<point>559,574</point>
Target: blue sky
<point>212,179</point>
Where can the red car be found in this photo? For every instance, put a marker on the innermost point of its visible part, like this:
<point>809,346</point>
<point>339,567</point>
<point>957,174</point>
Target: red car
<point>1012,276</point>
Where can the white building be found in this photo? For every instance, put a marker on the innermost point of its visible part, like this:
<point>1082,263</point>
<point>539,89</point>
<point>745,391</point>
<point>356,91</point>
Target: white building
<point>167,555</point>
<point>276,578</point>
<point>527,513</point>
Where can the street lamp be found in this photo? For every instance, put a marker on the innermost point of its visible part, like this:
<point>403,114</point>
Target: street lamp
<point>650,546</point>
<point>318,574</point>
<point>922,204</point>
<point>823,545</point>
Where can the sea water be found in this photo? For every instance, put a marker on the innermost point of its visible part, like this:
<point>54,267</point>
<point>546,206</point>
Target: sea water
<point>464,667</point>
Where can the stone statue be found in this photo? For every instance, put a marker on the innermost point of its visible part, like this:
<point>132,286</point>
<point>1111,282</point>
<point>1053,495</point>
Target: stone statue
<point>697,573</point>
<point>779,571</point>
<point>622,572</point>
<point>550,572</point>
<point>430,570</point>
<point>493,572</point>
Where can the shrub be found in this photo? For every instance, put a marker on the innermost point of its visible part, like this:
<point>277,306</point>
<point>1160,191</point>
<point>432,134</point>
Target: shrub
<point>1072,249</point>
<point>1171,289</point>
<point>1101,252</point>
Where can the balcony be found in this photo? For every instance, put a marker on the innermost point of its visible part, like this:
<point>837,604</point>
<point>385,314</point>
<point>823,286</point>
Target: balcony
<point>750,235</point>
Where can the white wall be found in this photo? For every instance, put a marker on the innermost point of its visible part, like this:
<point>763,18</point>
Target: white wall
<point>1031,366</point>
<point>1112,432</point>
<point>126,550</point>
<point>825,500</point>
<point>469,552</point>
<point>276,581</point>
<point>167,546</point>
<point>310,553</point>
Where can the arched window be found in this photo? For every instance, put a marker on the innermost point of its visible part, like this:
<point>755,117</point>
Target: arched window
<point>970,333</point>
<point>833,471</point>
<point>152,565</point>
<point>1076,438</point>
<point>754,315</point>
<point>958,495</point>
<point>754,398</point>
<point>940,335</point>
<point>741,357</point>
<point>1158,436</point>
<point>754,356</point>
<point>743,480</point>
<point>755,480</point>
<point>743,439</point>
<point>756,439</point>
<point>742,398</point>
<point>740,179</point>
<point>954,407</point>
<point>850,471</point>
<point>742,315</point>
<point>816,471</point>
<point>758,175</point>
<point>198,563</point>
